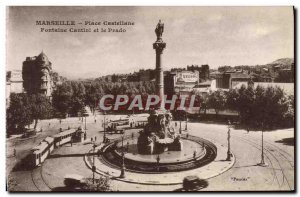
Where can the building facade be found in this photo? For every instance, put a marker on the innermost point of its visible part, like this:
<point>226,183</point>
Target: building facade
<point>203,71</point>
<point>14,84</point>
<point>181,81</point>
<point>228,80</point>
<point>36,75</point>
<point>15,81</point>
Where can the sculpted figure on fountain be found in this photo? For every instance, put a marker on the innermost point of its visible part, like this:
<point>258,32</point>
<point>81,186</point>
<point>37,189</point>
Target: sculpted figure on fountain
<point>159,134</point>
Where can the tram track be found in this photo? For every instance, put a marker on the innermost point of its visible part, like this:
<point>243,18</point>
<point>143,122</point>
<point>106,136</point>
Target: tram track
<point>282,152</point>
<point>283,169</point>
<point>32,179</point>
<point>39,181</point>
<point>258,146</point>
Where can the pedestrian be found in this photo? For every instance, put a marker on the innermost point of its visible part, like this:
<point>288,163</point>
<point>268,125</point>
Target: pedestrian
<point>248,130</point>
<point>15,152</point>
<point>91,139</point>
<point>95,120</point>
<point>49,124</point>
<point>175,124</point>
<point>95,138</point>
<point>84,135</point>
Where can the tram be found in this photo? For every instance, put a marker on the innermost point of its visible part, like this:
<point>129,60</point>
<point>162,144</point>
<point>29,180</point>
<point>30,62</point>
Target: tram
<point>41,151</point>
<point>44,149</point>
<point>63,137</point>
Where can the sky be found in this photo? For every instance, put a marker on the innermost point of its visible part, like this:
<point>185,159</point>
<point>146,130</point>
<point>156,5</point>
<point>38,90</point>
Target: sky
<point>216,36</point>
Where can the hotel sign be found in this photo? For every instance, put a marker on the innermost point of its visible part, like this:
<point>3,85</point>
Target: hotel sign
<point>187,77</point>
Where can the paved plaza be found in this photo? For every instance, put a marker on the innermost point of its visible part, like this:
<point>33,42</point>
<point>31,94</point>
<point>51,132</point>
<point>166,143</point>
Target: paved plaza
<point>242,173</point>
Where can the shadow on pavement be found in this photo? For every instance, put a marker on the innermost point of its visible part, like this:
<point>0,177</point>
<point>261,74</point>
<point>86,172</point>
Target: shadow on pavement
<point>192,184</point>
<point>287,141</point>
<point>71,155</point>
<point>67,189</point>
<point>190,190</point>
<point>245,166</point>
<point>23,164</point>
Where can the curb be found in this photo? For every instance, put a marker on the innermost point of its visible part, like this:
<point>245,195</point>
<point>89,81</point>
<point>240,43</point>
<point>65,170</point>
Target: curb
<point>151,183</point>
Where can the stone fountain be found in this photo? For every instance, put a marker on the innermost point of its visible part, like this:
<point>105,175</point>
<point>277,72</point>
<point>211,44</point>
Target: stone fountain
<point>174,152</point>
<point>158,135</point>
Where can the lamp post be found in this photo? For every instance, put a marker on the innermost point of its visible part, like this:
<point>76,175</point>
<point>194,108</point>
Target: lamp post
<point>157,162</point>
<point>186,120</point>
<point>180,129</point>
<point>229,155</point>
<point>262,163</point>
<point>122,175</point>
<point>94,167</point>
<point>104,126</point>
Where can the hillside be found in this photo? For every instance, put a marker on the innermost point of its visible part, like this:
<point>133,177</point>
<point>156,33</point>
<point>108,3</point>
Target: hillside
<point>283,62</point>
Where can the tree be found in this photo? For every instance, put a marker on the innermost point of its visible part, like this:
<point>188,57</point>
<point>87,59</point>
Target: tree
<point>101,184</point>
<point>232,98</point>
<point>94,92</point>
<point>271,104</point>
<point>216,100</point>
<point>62,98</point>
<point>40,107</point>
<point>24,109</point>
<point>18,112</point>
<point>78,98</point>
<point>289,115</point>
<point>245,105</point>
<point>201,100</point>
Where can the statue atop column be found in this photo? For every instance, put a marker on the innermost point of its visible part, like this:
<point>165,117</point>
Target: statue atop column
<point>159,135</point>
<point>159,31</point>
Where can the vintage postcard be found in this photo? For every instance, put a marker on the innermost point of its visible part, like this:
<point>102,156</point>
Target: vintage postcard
<point>147,99</point>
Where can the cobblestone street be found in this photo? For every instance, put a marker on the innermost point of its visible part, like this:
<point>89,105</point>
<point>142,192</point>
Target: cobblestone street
<point>245,174</point>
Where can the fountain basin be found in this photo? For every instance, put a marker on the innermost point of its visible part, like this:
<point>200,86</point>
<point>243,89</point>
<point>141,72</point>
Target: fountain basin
<point>169,161</point>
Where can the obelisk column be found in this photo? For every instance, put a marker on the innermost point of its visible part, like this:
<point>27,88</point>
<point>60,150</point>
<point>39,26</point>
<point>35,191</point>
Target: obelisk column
<point>159,46</point>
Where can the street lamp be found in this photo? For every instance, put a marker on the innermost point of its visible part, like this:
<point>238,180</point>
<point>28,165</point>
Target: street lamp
<point>229,154</point>
<point>157,162</point>
<point>94,167</point>
<point>186,120</point>
<point>180,129</point>
<point>262,163</point>
<point>104,126</point>
<point>122,175</point>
